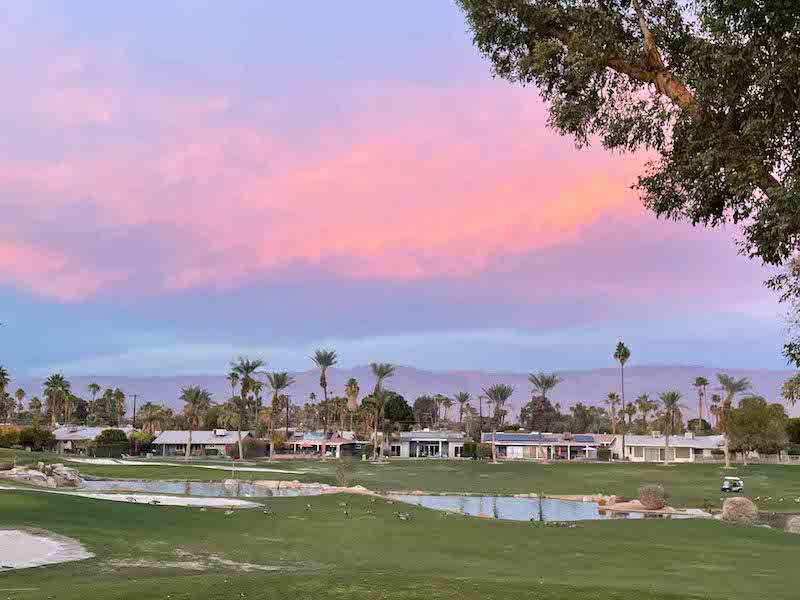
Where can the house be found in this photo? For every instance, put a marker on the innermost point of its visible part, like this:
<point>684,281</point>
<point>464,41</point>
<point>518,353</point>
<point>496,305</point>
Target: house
<point>545,446</point>
<point>343,443</point>
<point>216,442</point>
<point>74,439</point>
<point>682,448</point>
<point>429,444</point>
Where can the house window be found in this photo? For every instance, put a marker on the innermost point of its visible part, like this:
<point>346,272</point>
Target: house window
<point>395,449</point>
<point>638,452</point>
<point>682,453</point>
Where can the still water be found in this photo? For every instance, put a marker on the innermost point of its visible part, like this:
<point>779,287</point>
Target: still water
<point>212,489</point>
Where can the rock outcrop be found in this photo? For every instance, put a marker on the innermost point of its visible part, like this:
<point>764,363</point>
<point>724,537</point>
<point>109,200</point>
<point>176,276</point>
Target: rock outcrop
<point>739,510</point>
<point>53,476</point>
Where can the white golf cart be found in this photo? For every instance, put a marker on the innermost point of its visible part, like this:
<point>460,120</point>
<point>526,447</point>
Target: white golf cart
<point>732,485</point>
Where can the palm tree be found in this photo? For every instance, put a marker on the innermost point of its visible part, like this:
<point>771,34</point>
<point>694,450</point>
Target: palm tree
<point>35,408</point>
<point>463,400</point>
<point>56,391</point>
<point>196,402</point>
<point>499,395</point>
<point>233,379</point>
<point>151,415</point>
<point>324,359</point>
<point>644,405</point>
<point>351,391</point>
<point>732,387</point>
<point>380,371</point>
<point>543,383</point>
<point>447,403</point>
<point>119,405</point>
<point>379,398</point>
<point>612,401</point>
<point>439,400</point>
<point>4,381</point>
<point>94,389</point>
<point>231,418</point>
<point>700,384</point>
<point>671,403</point>
<point>621,355</point>
<point>629,411</point>
<point>19,396</point>
<point>277,382</point>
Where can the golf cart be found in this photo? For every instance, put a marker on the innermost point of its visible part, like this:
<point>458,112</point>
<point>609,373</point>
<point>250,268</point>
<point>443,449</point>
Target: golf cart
<point>733,485</point>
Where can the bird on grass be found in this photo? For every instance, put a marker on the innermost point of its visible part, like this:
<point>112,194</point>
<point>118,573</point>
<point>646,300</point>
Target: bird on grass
<point>343,504</point>
<point>228,512</point>
<point>268,510</point>
<point>308,507</point>
<point>369,511</point>
<point>154,502</point>
<point>346,512</point>
<point>130,499</point>
<point>203,509</point>
<point>403,516</point>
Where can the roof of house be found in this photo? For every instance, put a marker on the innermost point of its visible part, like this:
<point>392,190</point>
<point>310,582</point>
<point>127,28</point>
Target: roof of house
<point>448,436</point>
<point>675,441</point>
<point>523,438</point>
<point>207,438</point>
<point>70,433</point>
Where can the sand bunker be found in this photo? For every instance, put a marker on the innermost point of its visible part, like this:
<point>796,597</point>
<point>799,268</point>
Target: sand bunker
<point>164,500</point>
<point>22,549</point>
<point>134,463</point>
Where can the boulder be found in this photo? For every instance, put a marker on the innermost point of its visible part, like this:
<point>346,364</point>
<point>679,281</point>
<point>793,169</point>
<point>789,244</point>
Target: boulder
<point>66,476</point>
<point>739,510</point>
<point>652,497</point>
<point>793,524</point>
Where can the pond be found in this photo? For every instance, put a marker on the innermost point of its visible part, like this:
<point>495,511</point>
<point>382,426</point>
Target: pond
<point>525,509</point>
<point>210,489</point>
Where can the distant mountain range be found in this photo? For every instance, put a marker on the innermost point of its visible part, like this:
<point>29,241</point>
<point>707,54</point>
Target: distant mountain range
<point>587,386</point>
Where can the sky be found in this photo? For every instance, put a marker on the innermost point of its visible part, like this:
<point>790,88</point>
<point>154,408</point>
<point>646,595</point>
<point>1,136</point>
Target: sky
<point>187,181</point>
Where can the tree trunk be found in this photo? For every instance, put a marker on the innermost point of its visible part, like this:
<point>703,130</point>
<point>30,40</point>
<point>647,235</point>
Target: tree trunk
<point>727,453</point>
<point>666,449</point>
<point>376,448</point>
<point>494,446</point>
<point>325,424</point>
<point>622,377</point>
<point>189,444</point>
<point>241,450</point>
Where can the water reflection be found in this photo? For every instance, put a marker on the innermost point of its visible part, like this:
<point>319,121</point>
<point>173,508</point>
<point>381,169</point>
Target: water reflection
<point>212,489</point>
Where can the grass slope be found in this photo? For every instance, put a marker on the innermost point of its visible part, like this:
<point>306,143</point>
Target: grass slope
<point>183,554</point>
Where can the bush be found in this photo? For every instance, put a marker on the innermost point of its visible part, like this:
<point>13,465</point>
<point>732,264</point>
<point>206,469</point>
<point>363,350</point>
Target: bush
<point>470,450</point>
<point>112,443</point>
<point>652,497</point>
<point>37,439</point>
<point>793,451</point>
<point>9,436</point>
<point>739,510</point>
<point>604,454</point>
<point>251,448</point>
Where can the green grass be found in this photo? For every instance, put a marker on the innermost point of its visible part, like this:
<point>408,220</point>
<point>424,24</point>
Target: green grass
<point>322,553</point>
<point>688,485</point>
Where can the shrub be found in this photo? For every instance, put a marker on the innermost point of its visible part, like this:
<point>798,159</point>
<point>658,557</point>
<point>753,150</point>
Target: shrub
<point>37,439</point>
<point>604,454</point>
<point>344,472</point>
<point>793,451</point>
<point>9,436</point>
<point>251,448</point>
<point>652,497</point>
<point>111,443</point>
<point>470,450</point>
<point>739,510</point>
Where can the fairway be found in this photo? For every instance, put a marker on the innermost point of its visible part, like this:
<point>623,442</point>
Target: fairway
<point>182,554</point>
<point>689,485</point>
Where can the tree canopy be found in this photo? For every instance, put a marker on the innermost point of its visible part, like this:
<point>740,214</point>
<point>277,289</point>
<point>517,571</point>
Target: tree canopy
<point>709,88</point>
<point>757,426</point>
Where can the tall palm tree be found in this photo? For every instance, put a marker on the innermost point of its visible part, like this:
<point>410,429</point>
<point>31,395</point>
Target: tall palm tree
<point>700,384</point>
<point>351,391</point>
<point>543,383</point>
<point>196,402</point>
<point>277,382</point>
<point>380,371</point>
<point>246,370</point>
<point>612,401</point>
<point>94,389</point>
<point>324,359</point>
<point>19,396</point>
<point>498,394</point>
<point>439,400</point>
<point>255,386</point>
<point>119,405</point>
<point>56,390</point>
<point>732,388</point>
<point>379,399</point>
<point>463,399</point>
<point>4,381</point>
<point>644,405</point>
<point>671,405</point>
<point>233,379</point>
<point>621,355</point>
<point>630,412</point>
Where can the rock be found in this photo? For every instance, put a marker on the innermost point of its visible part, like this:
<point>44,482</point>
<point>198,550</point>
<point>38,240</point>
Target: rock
<point>66,476</point>
<point>739,510</point>
<point>230,483</point>
<point>793,524</point>
<point>652,497</point>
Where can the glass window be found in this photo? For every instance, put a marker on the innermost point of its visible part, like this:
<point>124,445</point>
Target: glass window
<point>681,452</point>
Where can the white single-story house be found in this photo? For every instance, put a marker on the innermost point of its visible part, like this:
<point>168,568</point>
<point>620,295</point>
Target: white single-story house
<point>74,439</point>
<point>204,443</point>
<point>545,446</point>
<point>682,448</point>
<point>429,444</point>
<point>342,443</point>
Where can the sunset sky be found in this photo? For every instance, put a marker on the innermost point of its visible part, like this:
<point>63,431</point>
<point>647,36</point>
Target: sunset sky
<point>183,182</point>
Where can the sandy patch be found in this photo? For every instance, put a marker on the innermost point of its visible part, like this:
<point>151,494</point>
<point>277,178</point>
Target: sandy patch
<point>108,462</point>
<point>22,549</point>
<point>190,562</point>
